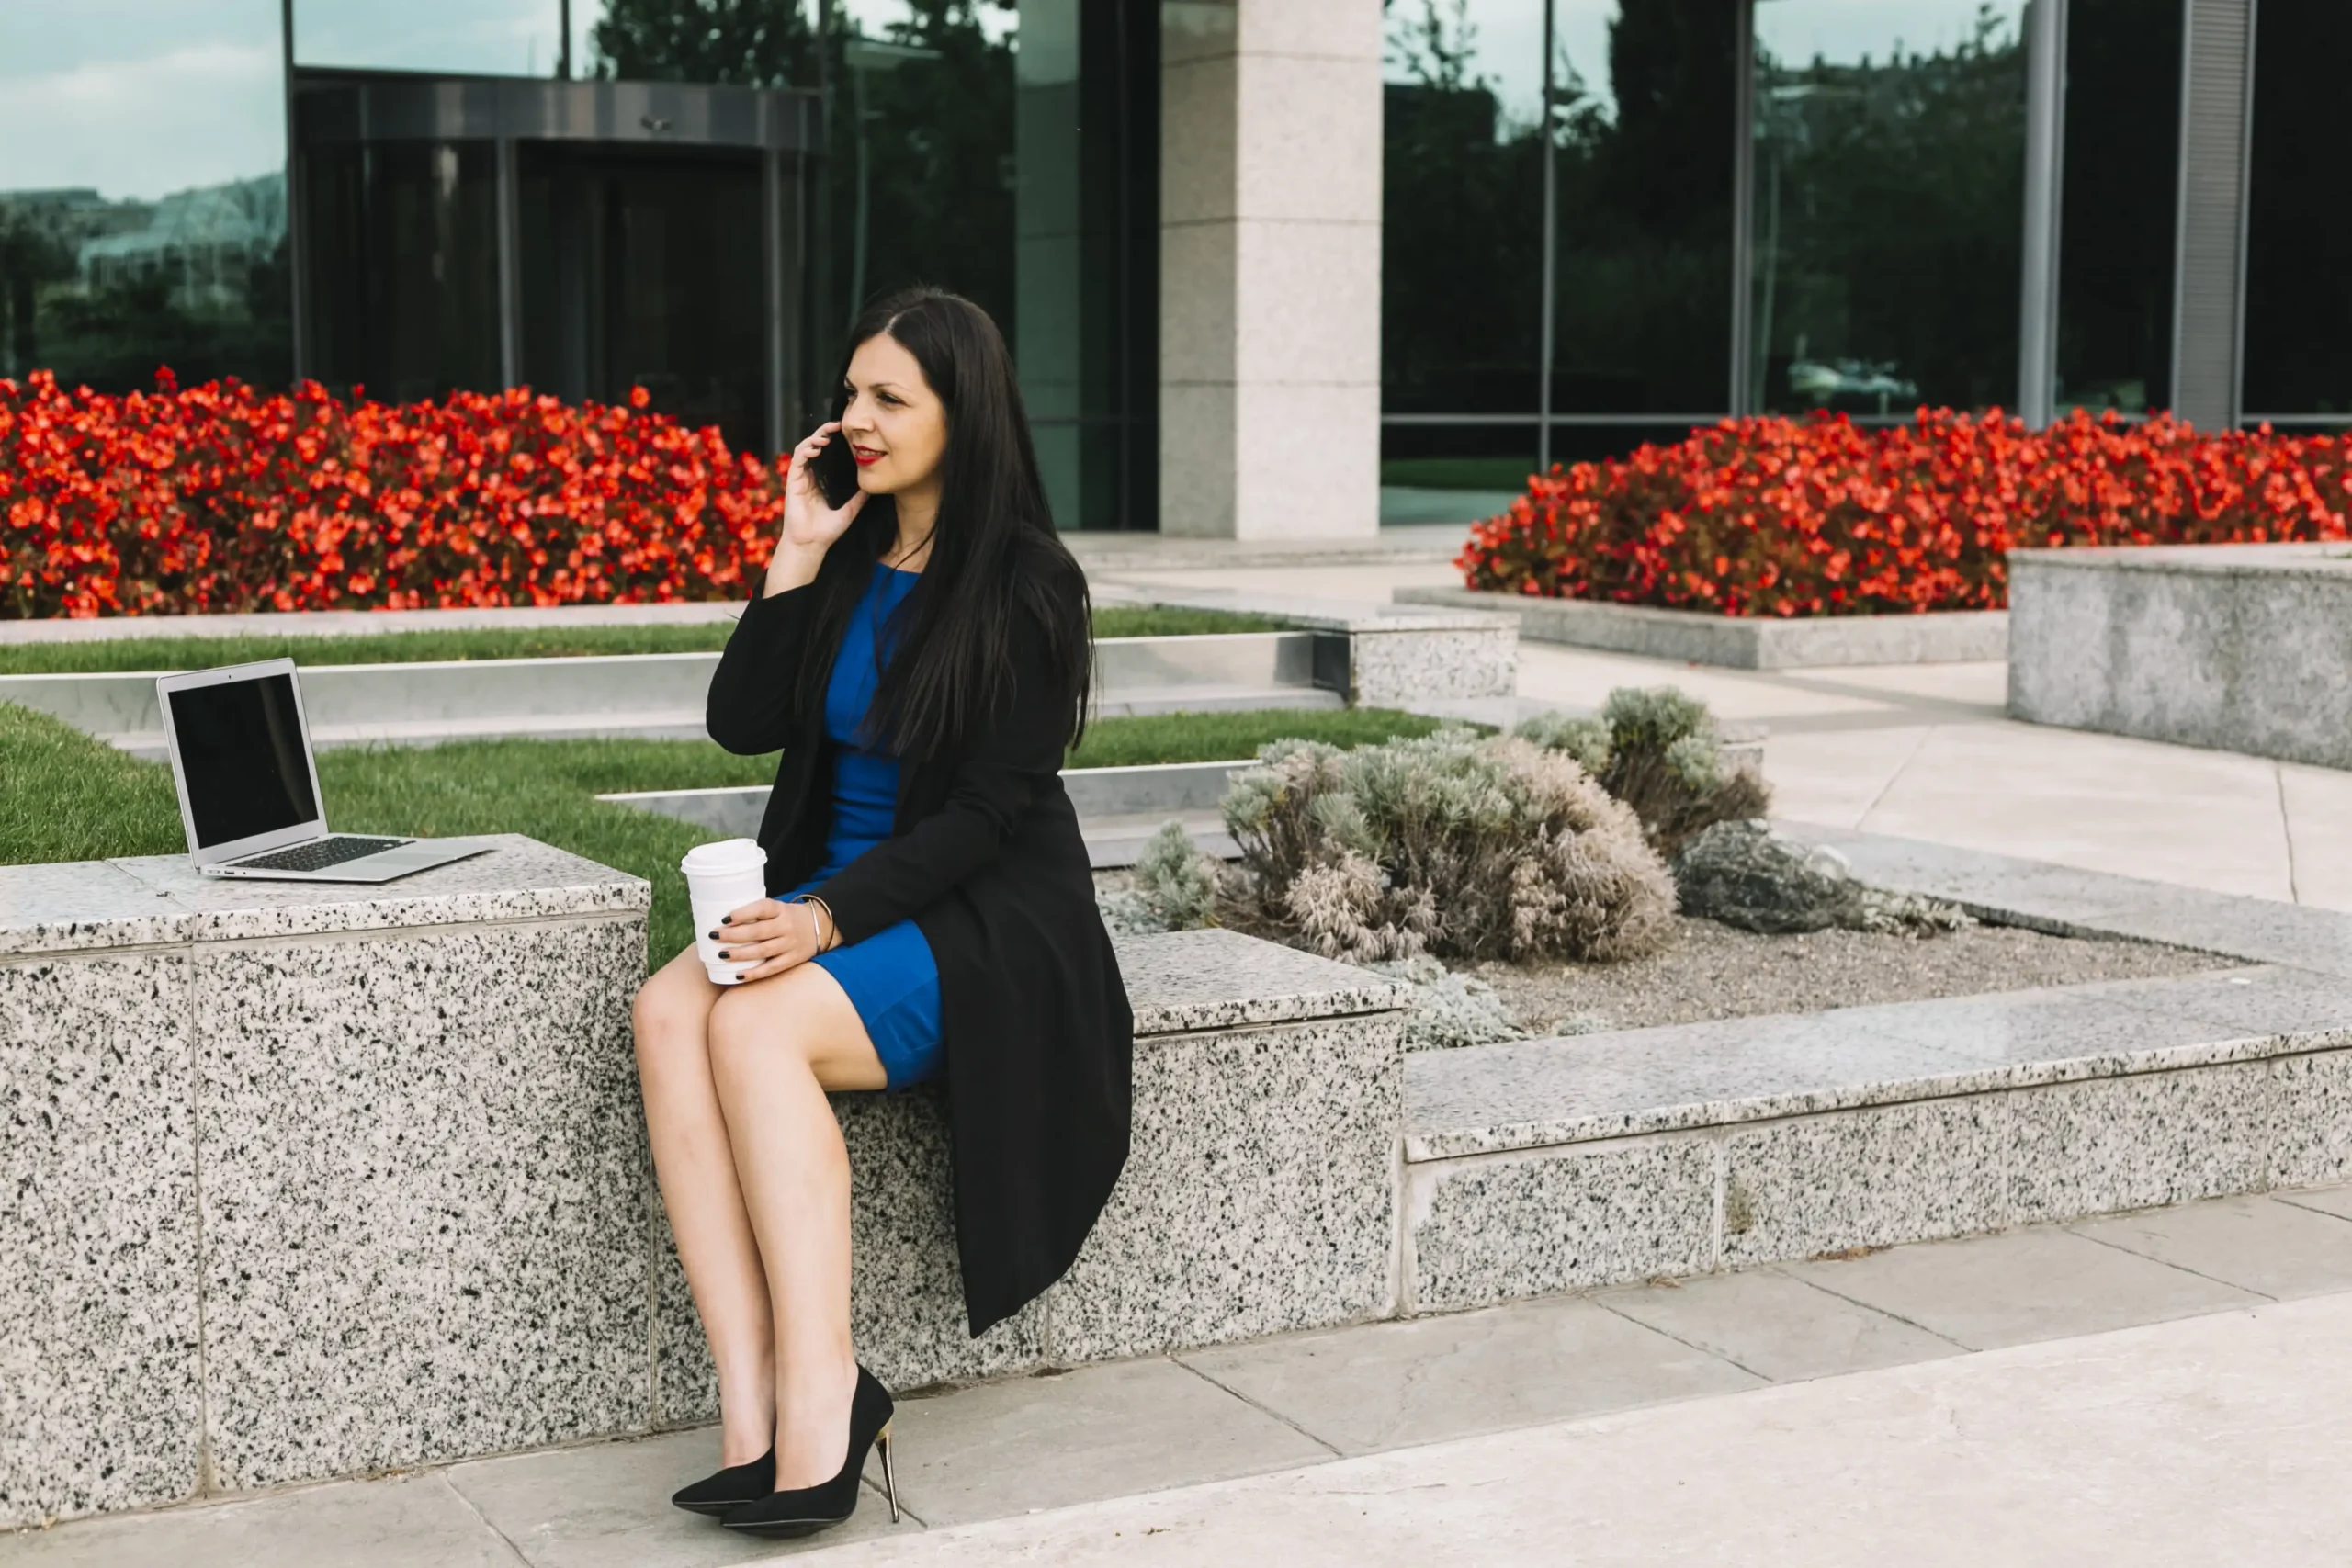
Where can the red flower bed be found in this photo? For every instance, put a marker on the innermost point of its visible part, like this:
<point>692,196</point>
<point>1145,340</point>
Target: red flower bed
<point>1818,517</point>
<point>219,498</point>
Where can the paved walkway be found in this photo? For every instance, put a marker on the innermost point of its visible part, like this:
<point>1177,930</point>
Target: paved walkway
<point>1963,1402</point>
<point>1923,752</point>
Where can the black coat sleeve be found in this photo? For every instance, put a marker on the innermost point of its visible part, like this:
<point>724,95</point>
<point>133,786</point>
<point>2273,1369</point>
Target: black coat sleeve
<point>1002,770</point>
<point>750,709</point>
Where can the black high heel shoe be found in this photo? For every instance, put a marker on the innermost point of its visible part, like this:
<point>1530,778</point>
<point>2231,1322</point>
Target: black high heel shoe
<point>812,1508</point>
<point>723,1492</point>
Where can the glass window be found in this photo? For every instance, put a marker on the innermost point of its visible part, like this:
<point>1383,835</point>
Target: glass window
<point>1086,217</point>
<point>639,267</point>
<point>1888,205</point>
<point>1645,99</point>
<point>1462,184</point>
<point>2120,200</point>
<point>403,264</point>
<point>2298,229</point>
<point>1450,472</point>
<point>143,191</point>
<point>923,165</point>
<point>1009,153</point>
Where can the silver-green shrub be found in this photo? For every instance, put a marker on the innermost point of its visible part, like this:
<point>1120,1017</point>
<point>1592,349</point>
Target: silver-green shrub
<point>1176,880</point>
<point>1656,749</point>
<point>1447,1011</point>
<point>1449,844</point>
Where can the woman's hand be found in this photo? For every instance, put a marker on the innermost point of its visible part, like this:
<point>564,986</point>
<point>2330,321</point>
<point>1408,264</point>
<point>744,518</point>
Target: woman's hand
<point>810,525</point>
<point>779,935</point>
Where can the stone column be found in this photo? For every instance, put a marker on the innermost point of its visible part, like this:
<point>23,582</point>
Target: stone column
<point>1270,269</point>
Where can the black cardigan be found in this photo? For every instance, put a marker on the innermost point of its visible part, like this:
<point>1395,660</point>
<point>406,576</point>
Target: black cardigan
<point>985,857</point>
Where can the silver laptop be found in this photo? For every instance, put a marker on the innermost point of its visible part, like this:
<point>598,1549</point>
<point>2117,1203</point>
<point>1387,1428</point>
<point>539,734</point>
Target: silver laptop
<point>249,791</point>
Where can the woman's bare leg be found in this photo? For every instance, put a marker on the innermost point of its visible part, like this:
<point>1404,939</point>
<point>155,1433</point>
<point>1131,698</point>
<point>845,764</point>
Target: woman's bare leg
<point>776,1046</point>
<point>696,1169</point>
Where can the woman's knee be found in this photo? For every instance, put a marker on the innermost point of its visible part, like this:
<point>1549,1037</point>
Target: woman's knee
<point>668,1014</point>
<point>749,1028</point>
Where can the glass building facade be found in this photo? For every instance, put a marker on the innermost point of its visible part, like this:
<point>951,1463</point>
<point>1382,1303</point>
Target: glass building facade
<point>589,197</point>
<point>1610,219</point>
<point>1605,221</point>
<point>2298,333</point>
<point>142,190</point>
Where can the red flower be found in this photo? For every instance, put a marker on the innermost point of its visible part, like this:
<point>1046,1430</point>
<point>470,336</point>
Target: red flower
<point>1781,517</point>
<point>218,497</point>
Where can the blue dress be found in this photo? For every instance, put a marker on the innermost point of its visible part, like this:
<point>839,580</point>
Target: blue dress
<point>891,977</point>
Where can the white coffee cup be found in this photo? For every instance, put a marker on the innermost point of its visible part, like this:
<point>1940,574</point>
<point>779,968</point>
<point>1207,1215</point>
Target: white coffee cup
<point>720,879</point>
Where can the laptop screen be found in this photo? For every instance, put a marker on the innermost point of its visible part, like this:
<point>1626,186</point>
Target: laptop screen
<point>242,758</point>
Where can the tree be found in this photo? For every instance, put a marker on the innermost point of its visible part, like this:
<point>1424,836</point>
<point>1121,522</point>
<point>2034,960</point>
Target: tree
<point>759,43</point>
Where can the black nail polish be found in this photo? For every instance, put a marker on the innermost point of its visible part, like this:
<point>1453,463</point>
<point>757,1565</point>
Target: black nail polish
<point>714,936</point>
<point>723,956</point>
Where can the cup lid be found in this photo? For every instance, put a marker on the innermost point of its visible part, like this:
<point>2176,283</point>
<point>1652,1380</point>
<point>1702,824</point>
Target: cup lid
<point>726,856</point>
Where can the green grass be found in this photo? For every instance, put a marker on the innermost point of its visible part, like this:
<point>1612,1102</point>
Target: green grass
<point>401,648</point>
<point>1173,620</point>
<point>1215,736</point>
<point>373,648</point>
<point>66,796</point>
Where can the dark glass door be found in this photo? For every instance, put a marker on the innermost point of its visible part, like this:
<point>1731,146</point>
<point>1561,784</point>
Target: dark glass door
<point>404,274</point>
<point>646,268</point>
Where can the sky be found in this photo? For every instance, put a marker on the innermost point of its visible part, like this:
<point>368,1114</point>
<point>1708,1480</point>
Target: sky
<point>1844,32</point>
<point>139,98</point>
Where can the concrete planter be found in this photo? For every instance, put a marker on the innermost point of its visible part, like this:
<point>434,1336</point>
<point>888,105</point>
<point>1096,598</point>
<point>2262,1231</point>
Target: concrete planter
<point>1693,636</point>
<point>2241,648</point>
<point>309,1180</point>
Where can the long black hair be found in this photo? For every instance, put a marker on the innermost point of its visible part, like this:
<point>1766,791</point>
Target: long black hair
<point>994,554</point>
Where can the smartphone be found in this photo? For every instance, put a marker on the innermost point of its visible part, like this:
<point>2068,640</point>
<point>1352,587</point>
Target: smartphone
<point>836,471</point>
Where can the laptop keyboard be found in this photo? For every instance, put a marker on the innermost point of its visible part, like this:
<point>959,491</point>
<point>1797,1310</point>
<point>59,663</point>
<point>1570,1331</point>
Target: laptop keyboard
<point>319,854</point>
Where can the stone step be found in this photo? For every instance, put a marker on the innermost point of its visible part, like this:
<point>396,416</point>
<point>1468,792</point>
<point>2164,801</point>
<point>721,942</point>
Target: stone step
<point>1549,1165</point>
<point>1119,808</point>
<point>657,694</point>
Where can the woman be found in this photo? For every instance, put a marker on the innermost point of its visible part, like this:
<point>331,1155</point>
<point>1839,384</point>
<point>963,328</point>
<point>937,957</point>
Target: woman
<point>919,652</point>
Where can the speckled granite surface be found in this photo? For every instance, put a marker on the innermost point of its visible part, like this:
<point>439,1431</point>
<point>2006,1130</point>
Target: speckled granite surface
<point>427,1224</point>
<point>1527,1094</point>
<point>518,879</point>
<point>1494,1229</point>
<point>1864,1178</point>
<point>1387,668</point>
<point>1217,980</point>
<point>158,899</point>
<point>2090,903</point>
<point>2140,1142</point>
<point>1260,1194</point>
<point>381,1142</point>
<point>2245,647</point>
<point>1869,1126</point>
<point>98,1394</point>
<point>428,1228</point>
<point>424,1223</point>
<point>81,905</point>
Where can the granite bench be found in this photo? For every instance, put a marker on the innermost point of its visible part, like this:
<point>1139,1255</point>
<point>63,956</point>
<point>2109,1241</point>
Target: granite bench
<point>2241,647</point>
<point>300,1180</point>
<point>1553,1164</point>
